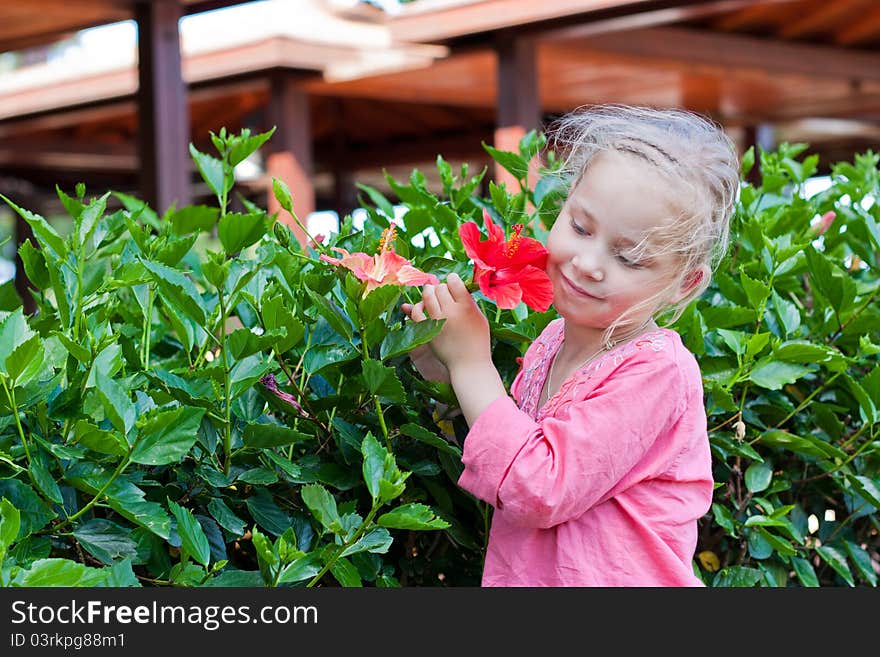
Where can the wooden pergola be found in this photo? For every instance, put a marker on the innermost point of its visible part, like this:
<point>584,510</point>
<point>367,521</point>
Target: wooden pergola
<point>461,72</point>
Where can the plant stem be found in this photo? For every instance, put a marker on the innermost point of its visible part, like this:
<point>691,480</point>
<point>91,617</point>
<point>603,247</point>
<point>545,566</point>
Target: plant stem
<point>119,469</point>
<point>342,548</point>
<point>10,395</point>
<point>227,434</point>
<point>148,322</point>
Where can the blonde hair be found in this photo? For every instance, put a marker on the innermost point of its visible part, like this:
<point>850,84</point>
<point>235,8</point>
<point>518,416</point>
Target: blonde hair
<point>696,157</point>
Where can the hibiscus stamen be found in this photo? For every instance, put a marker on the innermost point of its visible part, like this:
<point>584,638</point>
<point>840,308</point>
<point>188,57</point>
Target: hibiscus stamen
<point>387,239</point>
<point>512,245</point>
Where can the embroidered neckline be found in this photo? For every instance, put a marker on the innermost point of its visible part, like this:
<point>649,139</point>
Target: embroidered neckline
<point>535,376</point>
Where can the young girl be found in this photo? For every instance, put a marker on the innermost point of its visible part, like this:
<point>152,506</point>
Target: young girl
<point>598,467</point>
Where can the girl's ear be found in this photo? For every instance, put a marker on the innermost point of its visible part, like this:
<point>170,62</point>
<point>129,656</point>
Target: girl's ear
<point>689,281</point>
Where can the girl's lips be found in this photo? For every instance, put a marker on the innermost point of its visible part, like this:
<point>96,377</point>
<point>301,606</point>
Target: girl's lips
<point>578,290</point>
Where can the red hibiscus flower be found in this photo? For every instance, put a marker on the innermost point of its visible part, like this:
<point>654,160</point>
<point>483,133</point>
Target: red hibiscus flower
<point>508,271</point>
<point>384,268</point>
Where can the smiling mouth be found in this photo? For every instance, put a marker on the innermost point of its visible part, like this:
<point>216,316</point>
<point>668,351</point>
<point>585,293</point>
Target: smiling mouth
<point>579,291</point>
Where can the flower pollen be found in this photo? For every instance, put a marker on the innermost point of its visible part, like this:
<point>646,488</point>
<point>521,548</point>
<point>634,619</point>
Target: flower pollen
<point>512,245</point>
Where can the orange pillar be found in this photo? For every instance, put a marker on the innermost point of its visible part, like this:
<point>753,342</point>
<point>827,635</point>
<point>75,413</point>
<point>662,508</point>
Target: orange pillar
<point>290,152</point>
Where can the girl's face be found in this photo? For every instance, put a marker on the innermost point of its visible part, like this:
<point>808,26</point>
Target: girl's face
<point>595,272</point>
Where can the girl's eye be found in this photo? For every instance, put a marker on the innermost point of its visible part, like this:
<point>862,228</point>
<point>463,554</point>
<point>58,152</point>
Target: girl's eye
<point>580,230</point>
<point>632,264</point>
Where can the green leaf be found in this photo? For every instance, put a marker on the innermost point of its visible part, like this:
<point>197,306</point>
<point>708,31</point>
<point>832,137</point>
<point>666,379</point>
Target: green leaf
<point>104,442</point>
<point>225,517</point>
<point>412,516</point>
<point>322,505</point>
<point>213,172</point>
<point>374,464</point>
<point>266,513</point>
<point>108,362</point>
<point>78,351</point>
<point>303,568</point>
<point>239,231</point>
<point>866,489</point>
<point>106,541</point>
<point>413,334</point>
<point>787,313</point>
<point>34,265</point>
<point>807,446</point>
<point>60,572</point>
<point>118,407</point>
<point>423,435</point>
<point>25,361</point>
<point>245,373</point>
<point>378,200</point>
<point>862,561</point>
<point>259,436</point>
<point>758,477</point>
<point>345,573</point>
<point>756,291</point>
<point>191,533</point>
<point>33,512</point>
<point>88,219</point>
<point>14,332</point>
<point>179,290</point>
<point>245,144</point>
<point>194,219</point>
<point>45,481</point>
<point>331,312</point>
<point>738,576</point>
<point>167,436</point>
<point>46,236</point>
<point>515,164</point>
<point>377,541</point>
<point>804,571</point>
<point>773,374</point>
<point>382,382</point>
<point>378,301</point>
<point>10,523</point>
<point>837,560</point>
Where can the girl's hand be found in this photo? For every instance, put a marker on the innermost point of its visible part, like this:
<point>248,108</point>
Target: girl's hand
<point>424,360</point>
<point>464,339</point>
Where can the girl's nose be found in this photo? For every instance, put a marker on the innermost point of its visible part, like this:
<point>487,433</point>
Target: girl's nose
<point>589,268</point>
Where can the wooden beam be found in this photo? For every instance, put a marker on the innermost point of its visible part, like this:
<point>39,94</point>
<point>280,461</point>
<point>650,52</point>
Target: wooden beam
<point>464,146</point>
<point>865,29</point>
<point>697,47</point>
<point>163,111</point>
<point>290,151</point>
<point>518,102</point>
<point>69,154</point>
<point>430,23</point>
<point>820,19</point>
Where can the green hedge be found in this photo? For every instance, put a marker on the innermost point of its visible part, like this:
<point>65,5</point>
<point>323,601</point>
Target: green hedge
<point>248,417</point>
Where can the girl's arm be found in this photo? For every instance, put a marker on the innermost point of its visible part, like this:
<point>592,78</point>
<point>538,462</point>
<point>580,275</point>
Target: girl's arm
<point>464,346</point>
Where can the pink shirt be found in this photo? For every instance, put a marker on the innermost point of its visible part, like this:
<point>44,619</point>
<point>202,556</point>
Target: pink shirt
<point>603,485</point>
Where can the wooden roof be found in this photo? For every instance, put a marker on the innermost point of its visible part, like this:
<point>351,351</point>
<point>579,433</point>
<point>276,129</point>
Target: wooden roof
<point>28,23</point>
<point>745,62</point>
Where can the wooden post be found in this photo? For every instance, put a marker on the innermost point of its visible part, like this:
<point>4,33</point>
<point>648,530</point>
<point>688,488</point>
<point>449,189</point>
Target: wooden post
<point>761,137</point>
<point>518,107</point>
<point>290,151</point>
<point>344,187</point>
<point>163,112</point>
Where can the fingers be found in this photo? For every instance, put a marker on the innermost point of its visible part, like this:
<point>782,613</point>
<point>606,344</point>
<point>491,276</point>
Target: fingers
<point>431,304</point>
<point>457,287</point>
<point>418,312</point>
<point>444,296</point>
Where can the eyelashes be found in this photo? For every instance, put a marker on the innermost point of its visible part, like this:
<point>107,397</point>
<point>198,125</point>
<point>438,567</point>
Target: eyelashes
<point>626,262</point>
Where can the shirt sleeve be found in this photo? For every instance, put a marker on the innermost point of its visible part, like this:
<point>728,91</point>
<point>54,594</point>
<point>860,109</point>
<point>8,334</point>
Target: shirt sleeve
<point>545,473</point>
